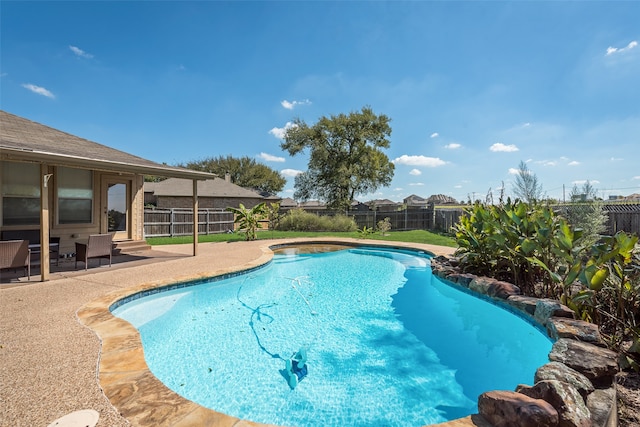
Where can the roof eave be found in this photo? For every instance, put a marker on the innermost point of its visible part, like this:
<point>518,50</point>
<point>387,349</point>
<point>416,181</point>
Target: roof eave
<point>16,154</point>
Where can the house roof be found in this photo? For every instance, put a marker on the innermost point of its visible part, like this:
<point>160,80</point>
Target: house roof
<point>217,187</point>
<point>24,140</point>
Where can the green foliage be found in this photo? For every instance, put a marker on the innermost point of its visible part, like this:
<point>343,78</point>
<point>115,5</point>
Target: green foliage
<point>301,220</point>
<point>345,156</point>
<point>244,171</point>
<point>248,220</point>
<point>384,226</point>
<point>272,212</point>
<point>546,257</point>
<point>365,232</point>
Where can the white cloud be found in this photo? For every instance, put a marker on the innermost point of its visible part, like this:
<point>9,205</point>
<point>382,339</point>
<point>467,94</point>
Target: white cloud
<point>416,184</point>
<point>636,177</point>
<point>430,162</point>
<point>39,90</point>
<point>614,50</point>
<point>290,172</point>
<point>457,186</point>
<point>584,181</point>
<point>616,159</point>
<point>435,135</point>
<point>290,105</point>
<point>279,132</point>
<point>573,163</point>
<point>80,52</point>
<point>270,158</point>
<point>500,147</point>
<point>514,171</point>
<point>453,146</point>
<point>415,172</point>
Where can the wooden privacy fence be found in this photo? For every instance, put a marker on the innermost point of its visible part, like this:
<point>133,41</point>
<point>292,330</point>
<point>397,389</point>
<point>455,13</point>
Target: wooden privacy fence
<point>179,222</point>
<point>412,218</point>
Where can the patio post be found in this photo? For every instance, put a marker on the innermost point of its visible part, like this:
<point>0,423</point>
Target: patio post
<point>44,222</point>
<point>195,217</point>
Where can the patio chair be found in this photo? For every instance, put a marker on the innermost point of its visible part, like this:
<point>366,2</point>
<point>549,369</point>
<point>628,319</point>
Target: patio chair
<point>15,254</point>
<point>99,246</point>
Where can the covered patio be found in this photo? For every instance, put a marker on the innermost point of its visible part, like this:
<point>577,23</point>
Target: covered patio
<point>63,186</point>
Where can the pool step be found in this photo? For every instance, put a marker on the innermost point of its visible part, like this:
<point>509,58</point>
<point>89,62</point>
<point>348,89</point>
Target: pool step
<point>130,246</point>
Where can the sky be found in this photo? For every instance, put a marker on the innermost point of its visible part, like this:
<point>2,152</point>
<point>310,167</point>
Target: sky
<point>472,88</point>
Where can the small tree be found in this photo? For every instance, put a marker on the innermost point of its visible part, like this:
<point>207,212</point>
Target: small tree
<point>384,225</point>
<point>526,187</point>
<point>587,213</point>
<point>248,219</point>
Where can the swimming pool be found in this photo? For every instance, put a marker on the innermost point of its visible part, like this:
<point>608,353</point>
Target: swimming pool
<point>387,343</point>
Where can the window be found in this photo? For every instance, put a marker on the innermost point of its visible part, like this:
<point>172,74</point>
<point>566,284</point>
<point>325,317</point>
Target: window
<point>75,196</point>
<point>20,193</point>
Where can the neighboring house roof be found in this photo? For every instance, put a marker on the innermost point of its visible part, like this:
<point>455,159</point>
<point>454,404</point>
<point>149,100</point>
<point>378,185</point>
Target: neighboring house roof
<point>288,202</point>
<point>381,202</point>
<point>22,139</point>
<point>415,200</point>
<point>441,199</point>
<point>217,187</point>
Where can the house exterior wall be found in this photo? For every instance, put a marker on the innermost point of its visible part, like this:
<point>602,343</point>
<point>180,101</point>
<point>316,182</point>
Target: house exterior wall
<point>69,234</point>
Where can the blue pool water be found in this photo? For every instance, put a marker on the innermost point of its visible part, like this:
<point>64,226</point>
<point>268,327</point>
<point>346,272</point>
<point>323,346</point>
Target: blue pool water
<point>388,344</point>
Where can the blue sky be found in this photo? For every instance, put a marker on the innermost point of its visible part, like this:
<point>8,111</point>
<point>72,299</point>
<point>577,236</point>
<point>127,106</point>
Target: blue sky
<point>472,88</point>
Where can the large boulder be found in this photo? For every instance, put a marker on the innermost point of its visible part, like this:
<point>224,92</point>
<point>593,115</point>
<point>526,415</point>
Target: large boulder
<point>561,372</point>
<point>596,363</point>
<point>524,304</point>
<point>602,404</point>
<point>547,308</point>
<point>562,327</point>
<point>508,409</point>
<point>571,407</point>
<point>502,290</point>
<point>481,284</point>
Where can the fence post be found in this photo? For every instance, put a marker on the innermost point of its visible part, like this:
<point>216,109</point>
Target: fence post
<point>173,220</point>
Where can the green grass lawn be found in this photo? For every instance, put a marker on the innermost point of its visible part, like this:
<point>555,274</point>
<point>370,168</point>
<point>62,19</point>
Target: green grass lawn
<point>413,236</point>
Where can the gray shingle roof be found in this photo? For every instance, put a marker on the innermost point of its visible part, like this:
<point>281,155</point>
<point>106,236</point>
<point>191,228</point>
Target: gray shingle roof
<point>217,187</point>
<point>23,139</point>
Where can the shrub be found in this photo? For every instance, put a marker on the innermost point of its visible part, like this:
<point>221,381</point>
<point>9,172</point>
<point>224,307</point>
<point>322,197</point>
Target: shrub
<point>301,220</point>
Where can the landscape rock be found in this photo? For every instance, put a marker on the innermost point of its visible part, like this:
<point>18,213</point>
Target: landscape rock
<point>502,290</point>
<point>602,405</point>
<point>462,279</point>
<point>525,304</point>
<point>598,364</point>
<point>571,407</point>
<point>508,409</point>
<point>562,327</point>
<point>547,308</point>
<point>481,284</point>
<point>561,372</point>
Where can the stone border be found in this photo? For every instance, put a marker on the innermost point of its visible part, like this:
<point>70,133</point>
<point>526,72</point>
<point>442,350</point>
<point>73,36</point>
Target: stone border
<point>577,388</point>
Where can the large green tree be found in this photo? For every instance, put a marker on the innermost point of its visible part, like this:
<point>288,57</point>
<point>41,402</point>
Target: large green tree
<point>244,171</point>
<point>345,156</point>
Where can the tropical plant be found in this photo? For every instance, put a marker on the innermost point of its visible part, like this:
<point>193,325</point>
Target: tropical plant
<point>248,220</point>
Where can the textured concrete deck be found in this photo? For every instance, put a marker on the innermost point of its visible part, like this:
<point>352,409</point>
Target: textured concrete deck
<point>51,364</point>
